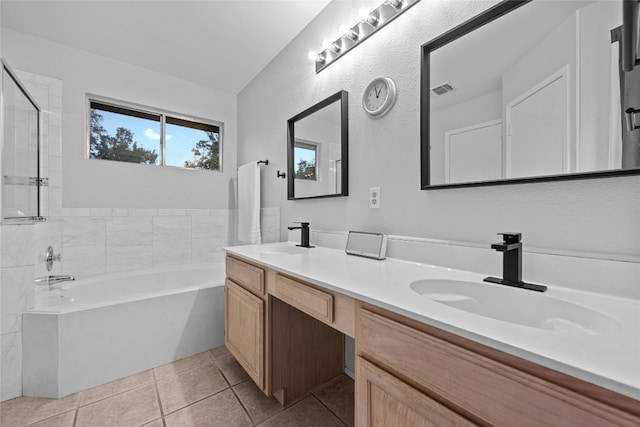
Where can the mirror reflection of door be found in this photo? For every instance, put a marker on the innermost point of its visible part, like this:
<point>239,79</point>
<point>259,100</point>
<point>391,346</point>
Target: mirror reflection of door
<point>537,126</point>
<point>474,153</point>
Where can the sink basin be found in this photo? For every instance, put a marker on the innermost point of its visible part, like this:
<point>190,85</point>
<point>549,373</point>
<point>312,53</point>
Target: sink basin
<point>283,250</point>
<point>513,305</point>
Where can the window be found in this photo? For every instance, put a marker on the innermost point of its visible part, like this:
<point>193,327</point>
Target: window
<point>141,135</point>
<point>305,157</point>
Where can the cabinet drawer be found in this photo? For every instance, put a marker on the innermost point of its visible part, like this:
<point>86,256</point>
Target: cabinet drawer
<point>312,301</point>
<point>245,274</point>
<point>488,390</point>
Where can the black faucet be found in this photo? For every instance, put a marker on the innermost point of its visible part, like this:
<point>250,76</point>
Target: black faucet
<point>511,249</point>
<point>304,234</point>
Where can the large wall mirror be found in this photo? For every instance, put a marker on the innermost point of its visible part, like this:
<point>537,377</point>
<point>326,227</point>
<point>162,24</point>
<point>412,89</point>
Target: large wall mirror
<point>318,150</point>
<point>529,91</point>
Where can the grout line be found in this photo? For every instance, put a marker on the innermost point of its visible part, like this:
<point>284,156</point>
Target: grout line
<point>246,411</point>
<point>329,409</point>
<point>77,410</point>
<point>155,387</point>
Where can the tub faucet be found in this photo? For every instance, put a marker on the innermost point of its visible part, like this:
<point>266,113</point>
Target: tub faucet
<point>304,234</point>
<point>511,248</point>
<point>53,279</point>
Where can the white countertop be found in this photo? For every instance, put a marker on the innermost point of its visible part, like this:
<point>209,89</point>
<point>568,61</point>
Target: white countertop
<point>611,360</point>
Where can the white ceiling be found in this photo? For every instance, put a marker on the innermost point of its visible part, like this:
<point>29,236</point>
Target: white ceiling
<point>217,43</point>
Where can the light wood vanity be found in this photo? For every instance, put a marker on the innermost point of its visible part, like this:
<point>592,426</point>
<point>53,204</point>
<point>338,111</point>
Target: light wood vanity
<point>289,336</point>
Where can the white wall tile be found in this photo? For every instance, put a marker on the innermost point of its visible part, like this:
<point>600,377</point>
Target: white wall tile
<point>17,294</point>
<point>11,365</point>
<point>136,230</point>
<point>84,261</point>
<point>203,250</point>
<point>171,228</point>
<point>171,252</point>
<point>125,257</point>
<point>172,212</point>
<point>82,231</point>
<point>142,212</point>
<point>17,245</point>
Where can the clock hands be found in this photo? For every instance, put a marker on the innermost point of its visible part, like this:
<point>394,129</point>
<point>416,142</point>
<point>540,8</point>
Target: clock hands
<point>377,91</point>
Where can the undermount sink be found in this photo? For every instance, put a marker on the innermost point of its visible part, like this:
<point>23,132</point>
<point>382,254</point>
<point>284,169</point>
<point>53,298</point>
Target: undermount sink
<point>515,305</point>
<point>283,250</point>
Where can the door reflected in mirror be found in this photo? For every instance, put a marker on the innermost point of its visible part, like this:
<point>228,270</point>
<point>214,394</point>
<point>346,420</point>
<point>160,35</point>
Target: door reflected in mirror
<point>318,150</point>
<point>529,90</point>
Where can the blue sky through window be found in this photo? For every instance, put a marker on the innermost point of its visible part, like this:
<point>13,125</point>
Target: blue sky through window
<point>146,133</point>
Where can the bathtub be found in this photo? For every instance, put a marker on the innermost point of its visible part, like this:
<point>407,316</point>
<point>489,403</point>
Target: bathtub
<point>95,330</point>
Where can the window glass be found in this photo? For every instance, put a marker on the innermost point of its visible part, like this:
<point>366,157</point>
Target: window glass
<point>124,135</point>
<point>305,160</point>
<point>192,145</point>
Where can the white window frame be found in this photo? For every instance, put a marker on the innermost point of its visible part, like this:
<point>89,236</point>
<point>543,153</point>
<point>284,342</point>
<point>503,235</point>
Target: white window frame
<point>149,110</point>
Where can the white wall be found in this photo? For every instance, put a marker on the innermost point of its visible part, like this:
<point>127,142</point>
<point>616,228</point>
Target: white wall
<point>600,216</point>
<point>104,184</point>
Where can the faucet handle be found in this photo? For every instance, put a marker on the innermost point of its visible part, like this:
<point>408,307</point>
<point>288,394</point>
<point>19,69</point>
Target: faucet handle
<point>511,237</point>
<point>303,224</point>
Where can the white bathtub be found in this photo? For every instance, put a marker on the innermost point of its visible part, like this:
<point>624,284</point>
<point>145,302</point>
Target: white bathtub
<point>108,327</point>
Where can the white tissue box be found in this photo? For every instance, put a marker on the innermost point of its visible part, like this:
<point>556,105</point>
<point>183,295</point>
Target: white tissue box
<point>368,245</point>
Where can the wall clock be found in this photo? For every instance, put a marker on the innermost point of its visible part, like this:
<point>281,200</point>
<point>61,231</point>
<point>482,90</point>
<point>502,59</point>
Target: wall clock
<point>379,97</point>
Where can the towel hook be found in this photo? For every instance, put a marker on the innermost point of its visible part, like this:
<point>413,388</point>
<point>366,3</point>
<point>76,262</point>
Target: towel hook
<point>281,175</point>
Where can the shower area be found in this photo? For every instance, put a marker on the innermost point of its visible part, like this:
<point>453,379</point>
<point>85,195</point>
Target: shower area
<point>20,167</point>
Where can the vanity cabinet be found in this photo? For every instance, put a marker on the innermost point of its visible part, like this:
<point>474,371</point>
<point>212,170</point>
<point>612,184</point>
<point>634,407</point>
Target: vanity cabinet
<point>245,317</point>
<point>420,375</point>
<point>287,334</point>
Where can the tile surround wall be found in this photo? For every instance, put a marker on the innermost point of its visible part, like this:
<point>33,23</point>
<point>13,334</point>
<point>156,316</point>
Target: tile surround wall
<point>99,241</point>
<point>22,246</point>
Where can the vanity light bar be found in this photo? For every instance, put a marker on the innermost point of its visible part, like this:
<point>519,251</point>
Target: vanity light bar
<point>356,34</point>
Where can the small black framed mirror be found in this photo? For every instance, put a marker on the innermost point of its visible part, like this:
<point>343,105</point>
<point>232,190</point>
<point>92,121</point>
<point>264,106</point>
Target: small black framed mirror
<point>531,91</point>
<point>318,150</point>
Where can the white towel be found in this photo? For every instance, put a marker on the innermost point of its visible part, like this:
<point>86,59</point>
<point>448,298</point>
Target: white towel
<point>249,204</point>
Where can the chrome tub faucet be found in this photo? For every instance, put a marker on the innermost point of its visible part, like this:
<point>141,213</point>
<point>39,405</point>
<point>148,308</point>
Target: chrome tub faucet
<point>51,280</point>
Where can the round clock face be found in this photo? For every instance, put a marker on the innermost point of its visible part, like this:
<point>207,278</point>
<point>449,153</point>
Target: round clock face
<point>379,96</point>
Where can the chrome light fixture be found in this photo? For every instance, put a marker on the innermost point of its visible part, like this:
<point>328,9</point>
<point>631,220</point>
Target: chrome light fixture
<point>355,34</point>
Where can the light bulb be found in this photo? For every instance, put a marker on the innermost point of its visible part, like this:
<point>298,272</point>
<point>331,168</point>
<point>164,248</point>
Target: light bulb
<point>313,55</point>
<point>326,44</point>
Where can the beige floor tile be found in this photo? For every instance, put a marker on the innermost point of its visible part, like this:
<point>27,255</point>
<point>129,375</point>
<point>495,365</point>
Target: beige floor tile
<point>23,411</point>
<point>231,369</point>
<point>155,423</point>
<point>259,406</point>
<point>182,365</point>
<point>307,413</point>
<point>115,387</point>
<point>219,352</point>
<point>62,420</point>
<point>178,391</point>
<point>132,408</point>
<point>338,396</point>
<point>222,409</point>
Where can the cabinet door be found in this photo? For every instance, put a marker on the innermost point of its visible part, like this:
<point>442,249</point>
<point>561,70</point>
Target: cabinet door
<point>384,400</point>
<point>244,330</point>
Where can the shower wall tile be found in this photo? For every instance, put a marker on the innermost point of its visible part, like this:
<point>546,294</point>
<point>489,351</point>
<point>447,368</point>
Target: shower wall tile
<point>17,294</point>
<point>108,212</point>
<point>11,365</point>
<point>204,250</point>
<point>198,212</point>
<point>81,231</point>
<point>17,245</point>
<point>128,257</point>
<point>203,227</point>
<point>142,212</point>
<point>171,228</point>
<point>129,230</point>
<point>171,252</point>
<point>89,260</point>
<point>172,212</point>
<point>67,212</point>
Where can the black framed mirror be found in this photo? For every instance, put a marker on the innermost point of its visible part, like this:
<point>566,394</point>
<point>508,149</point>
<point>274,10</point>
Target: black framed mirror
<point>530,91</point>
<point>318,150</point>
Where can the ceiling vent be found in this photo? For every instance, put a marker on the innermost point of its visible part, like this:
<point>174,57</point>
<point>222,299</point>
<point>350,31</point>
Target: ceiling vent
<point>442,89</point>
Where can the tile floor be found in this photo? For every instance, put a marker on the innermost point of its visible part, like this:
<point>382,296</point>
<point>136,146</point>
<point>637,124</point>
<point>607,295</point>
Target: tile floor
<point>208,389</point>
